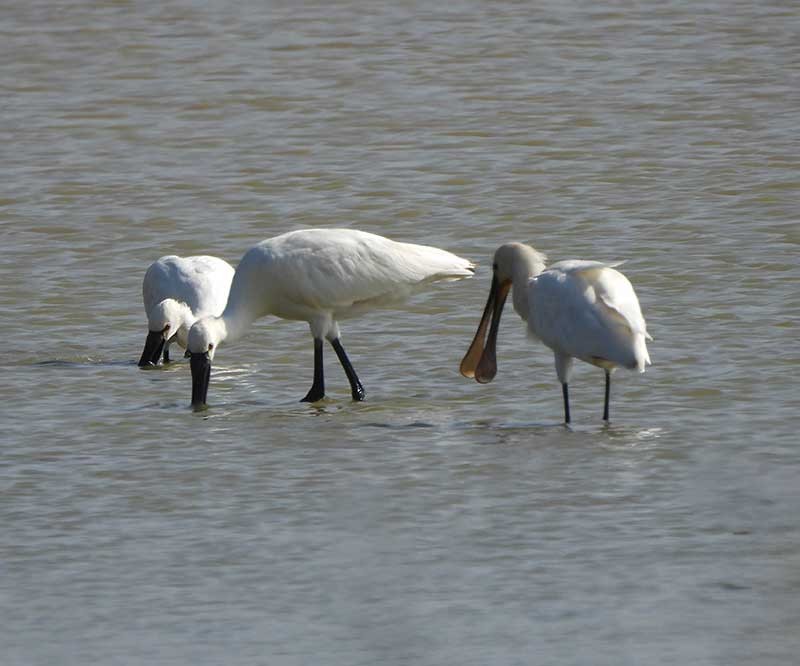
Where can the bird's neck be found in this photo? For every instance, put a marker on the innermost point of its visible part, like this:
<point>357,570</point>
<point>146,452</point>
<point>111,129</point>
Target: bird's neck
<point>524,270</point>
<point>245,300</point>
<point>519,297</point>
<point>235,322</point>
<point>187,320</point>
<point>186,315</point>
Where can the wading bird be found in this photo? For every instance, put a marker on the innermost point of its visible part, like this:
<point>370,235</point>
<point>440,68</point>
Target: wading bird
<point>176,292</point>
<point>580,309</point>
<point>318,276</point>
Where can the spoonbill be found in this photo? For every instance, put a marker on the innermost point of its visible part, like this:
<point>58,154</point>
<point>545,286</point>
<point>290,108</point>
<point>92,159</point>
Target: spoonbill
<point>318,276</point>
<point>176,292</point>
<point>580,309</point>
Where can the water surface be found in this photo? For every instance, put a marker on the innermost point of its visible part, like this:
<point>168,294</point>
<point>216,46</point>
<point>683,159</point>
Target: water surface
<point>441,521</point>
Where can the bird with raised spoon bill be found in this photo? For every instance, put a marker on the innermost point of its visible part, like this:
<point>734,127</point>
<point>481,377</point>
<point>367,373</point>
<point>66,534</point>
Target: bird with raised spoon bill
<point>579,309</point>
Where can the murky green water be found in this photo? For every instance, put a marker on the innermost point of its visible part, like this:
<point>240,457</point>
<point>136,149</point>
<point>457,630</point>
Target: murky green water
<point>440,522</point>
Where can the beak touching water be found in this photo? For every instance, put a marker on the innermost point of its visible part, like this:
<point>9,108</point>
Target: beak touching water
<point>480,361</point>
<point>200,364</point>
<point>153,347</point>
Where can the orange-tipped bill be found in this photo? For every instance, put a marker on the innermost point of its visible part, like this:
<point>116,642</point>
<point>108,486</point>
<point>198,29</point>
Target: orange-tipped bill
<point>480,361</point>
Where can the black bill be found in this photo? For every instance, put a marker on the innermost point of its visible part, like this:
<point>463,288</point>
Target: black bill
<point>153,347</point>
<point>200,364</point>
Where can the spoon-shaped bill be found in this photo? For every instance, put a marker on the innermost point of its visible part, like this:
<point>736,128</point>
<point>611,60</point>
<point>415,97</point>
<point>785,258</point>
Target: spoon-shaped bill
<point>200,364</point>
<point>153,346</point>
<point>480,361</point>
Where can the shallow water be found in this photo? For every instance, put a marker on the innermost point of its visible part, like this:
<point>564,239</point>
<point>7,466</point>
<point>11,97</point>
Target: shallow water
<point>441,521</point>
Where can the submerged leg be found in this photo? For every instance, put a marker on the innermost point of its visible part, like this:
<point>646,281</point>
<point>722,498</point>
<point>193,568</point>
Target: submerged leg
<point>608,395</point>
<point>355,385</point>
<point>317,390</point>
<point>166,353</point>
<point>565,391</point>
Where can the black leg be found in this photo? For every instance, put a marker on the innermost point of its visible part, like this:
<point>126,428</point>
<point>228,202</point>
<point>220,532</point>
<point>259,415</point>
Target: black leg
<point>355,385</point>
<point>608,395</point>
<point>317,390</point>
<point>566,402</point>
<point>166,354</point>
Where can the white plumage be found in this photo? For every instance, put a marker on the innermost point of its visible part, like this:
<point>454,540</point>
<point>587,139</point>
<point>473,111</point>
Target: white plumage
<point>580,309</point>
<point>176,292</point>
<point>319,276</point>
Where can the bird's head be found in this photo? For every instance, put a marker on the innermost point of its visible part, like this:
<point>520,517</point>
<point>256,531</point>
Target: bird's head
<point>517,262</point>
<point>513,264</point>
<point>167,317</point>
<point>163,322</point>
<point>204,337</point>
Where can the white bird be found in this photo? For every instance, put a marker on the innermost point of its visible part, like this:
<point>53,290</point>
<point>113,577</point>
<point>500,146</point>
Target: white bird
<point>580,309</point>
<point>176,292</point>
<point>318,276</point>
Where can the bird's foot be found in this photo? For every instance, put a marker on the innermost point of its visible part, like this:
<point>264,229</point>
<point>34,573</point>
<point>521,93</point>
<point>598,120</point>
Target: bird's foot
<point>359,394</point>
<point>314,395</point>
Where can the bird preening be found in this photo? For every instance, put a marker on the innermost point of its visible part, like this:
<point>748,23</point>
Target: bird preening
<point>579,309</point>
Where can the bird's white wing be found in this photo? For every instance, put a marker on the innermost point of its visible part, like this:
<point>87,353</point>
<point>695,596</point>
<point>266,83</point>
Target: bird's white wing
<point>156,283</point>
<point>208,281</point>
<point>202,282</point>
<point>341,269</point>
<point>615,292</point>
<point>589,311</point>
